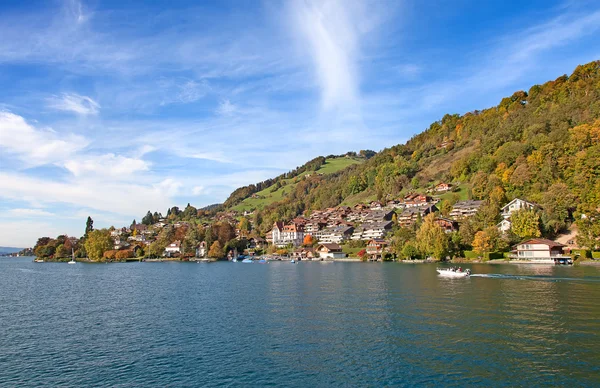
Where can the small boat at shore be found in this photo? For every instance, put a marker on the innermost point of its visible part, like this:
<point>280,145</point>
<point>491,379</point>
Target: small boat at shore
<point>453,272</point>
<point>38,261</point>
<point>247,261</point>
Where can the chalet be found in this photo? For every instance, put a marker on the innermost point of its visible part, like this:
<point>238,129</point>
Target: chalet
<point>447,224</point>
<point>465,209</point>
<point>379,216</point>
<point>257,243</point>
<point>375,205</point>
<point>504,226</point>
<point>121,244</point>
<point>376,249</point>
<point>330,251</point>
<point>410,215</point>
<point>416,200</point>
<point>360,207</point>
<point>304,253</point>
<point>376,230</point>
<point>174,247</point>
<point>336,234</point>
<point>515,205</point>
<point>314,228</point>
<point>139,227</point>
<point>539,250</point>
<point>443,187</point>
<point>201,250</point>
<point>115,233</point>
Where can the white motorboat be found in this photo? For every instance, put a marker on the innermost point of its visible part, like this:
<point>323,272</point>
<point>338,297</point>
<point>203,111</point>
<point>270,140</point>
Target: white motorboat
<point>453,272</point>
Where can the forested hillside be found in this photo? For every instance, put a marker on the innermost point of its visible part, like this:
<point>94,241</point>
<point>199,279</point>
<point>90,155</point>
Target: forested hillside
<point>542,145</point>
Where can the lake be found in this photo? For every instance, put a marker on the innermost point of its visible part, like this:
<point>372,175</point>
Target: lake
<point>310,324</point>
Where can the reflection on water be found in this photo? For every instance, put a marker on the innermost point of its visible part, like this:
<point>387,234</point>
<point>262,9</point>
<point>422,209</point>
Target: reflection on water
<point>306,324</point>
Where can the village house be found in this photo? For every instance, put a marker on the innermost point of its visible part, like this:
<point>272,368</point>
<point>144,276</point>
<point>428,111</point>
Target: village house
<point>511,207</point>
<point>115,233</point>
<point>465,209</point>
<point>120,244</point>
<point>539,250</point>
<point>515,205</point>
<point>330,251</point>
<point>287,234</point>
<point>304,254</point>
<point>336,234</point>
<point>375,230</point>
<point>314,228</point>
<point>375,205</point>
<point>201,250</point>
<point>379,216</point>
<point>173,248</point>
<point>443,187</point>
<point>410,215</point>
<point>447,224</point>
<point>416,200</point>
<point>376,249</point>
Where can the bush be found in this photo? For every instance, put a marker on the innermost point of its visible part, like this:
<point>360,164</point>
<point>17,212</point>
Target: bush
<point>494,255</point>
<point>110,255</point>
<point>596,255</point>
<point>471,255</point>
<point>125,254</point>
<point>583,253</point>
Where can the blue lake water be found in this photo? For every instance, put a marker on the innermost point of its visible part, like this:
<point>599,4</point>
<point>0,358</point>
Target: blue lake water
<point>310,324</point>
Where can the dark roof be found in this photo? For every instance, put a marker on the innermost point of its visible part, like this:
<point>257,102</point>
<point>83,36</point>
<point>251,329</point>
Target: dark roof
<point>544,241</point>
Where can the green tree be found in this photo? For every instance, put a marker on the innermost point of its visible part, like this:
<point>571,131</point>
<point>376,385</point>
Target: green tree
<point>431,238</point>
<point>410,252</point>
<point>525,223</point>
<point>98,242</point>
<point>148,218</point>
<point>589,231</point>
<point>89,226</point>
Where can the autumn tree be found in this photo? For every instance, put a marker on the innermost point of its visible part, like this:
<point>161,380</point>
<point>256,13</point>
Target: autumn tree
<point>525,223</point>
<point>216,250</point>
<point>431,238</point>
<point>308,240</point>
<point>488,240</point>
<point>98,242</point>
<point>244,227</point>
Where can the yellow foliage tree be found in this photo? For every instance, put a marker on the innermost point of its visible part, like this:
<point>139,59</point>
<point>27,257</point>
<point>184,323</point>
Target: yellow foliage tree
<point>216,250</point>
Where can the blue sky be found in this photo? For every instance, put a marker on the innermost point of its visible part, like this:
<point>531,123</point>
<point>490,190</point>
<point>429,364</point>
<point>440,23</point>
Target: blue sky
<point>114,108</point>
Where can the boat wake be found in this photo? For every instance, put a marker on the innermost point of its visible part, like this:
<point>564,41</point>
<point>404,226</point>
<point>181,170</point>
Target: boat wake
<point>535,278</point>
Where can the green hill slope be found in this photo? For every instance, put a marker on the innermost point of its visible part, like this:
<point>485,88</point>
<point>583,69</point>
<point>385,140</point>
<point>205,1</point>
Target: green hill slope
<point>539,145</point>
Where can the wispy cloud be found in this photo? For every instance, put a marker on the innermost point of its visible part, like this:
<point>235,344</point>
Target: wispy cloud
<point>72,102</point>
<point>108,165</point>
<point>226,108</point>
<point>30,213</point>
<point>330,31</point>
<point>36,146</point>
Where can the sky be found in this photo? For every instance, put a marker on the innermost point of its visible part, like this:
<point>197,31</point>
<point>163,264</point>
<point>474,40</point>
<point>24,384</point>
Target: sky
<point>112,108</point>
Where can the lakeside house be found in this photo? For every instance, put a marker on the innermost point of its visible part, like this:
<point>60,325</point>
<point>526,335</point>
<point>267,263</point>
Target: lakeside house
<point>330,251</point>
<point>511,207</point>
<point>376,249</point>
<point>174,247</point>
<point>465,209</point>
<point>283,235</point>
<point>304,253</point>
<point>539,250</point>
<point>201,250</point>
<point>368,231</point>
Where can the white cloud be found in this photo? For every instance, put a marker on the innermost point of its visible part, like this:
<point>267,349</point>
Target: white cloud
<point>109,165</point>
<point>331,30</point>
<point>30,213</point>
<point>36,146</point>
<point>71,102</point>
<point>197,190</point>
<point>24,234</point>
<point>123,198</point>
<point>226,108</point>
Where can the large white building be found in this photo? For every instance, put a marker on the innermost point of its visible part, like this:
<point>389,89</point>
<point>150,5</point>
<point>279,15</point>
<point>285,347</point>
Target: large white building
<point>539,250</point>
<point>283,235</point>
